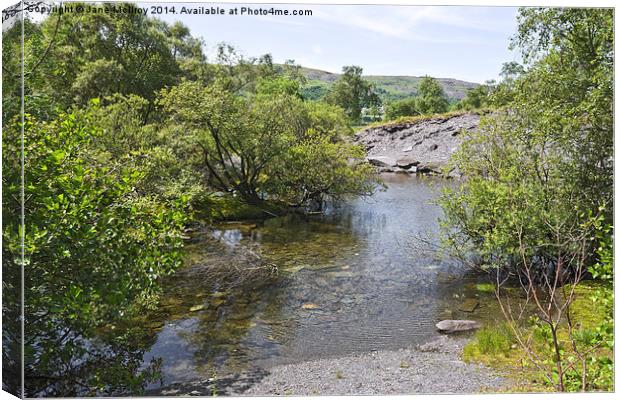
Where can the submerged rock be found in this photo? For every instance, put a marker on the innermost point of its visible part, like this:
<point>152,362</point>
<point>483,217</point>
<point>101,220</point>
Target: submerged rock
<point>154,324</point>
<point>468,305</point>
<point>456,325</point>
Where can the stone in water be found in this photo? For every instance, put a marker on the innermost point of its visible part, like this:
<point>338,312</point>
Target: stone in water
<point>469,305</point>
<point>456,325</point>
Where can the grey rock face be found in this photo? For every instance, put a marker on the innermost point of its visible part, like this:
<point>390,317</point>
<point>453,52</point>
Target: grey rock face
<point>456,325</point>
<point>381,161</point>
<point>426,145</point>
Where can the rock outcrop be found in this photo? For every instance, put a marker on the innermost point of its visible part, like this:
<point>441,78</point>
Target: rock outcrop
<point>422,146</point>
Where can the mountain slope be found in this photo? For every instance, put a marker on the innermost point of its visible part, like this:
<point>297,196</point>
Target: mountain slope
<point>389,88</point>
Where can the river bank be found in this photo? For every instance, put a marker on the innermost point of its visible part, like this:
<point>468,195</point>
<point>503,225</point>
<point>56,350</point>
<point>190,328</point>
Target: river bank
<point>434,367</point>
<point>361,284</point>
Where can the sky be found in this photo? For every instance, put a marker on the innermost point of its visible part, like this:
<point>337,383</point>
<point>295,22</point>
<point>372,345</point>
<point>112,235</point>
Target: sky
<point>467,43</point>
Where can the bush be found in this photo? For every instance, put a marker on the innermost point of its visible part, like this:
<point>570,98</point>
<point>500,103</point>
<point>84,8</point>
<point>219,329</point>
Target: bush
<point>539,181</point>
<point>94,248</point>
<point>401,108</point>
<point>271,146</point>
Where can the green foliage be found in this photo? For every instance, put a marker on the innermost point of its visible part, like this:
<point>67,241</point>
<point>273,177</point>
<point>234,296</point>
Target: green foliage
<point>279,86</point>
<point>352,92</point>
<point>317,169</point>
<point>536,175</point>
<point>591,349</point>
<point>538,195</point>
<point>485,287</point>
<point>490,340</point>
<point>604,268</point>
<point>93,247</point>
<point>478,97</point>
<point>238,136</point>
<point>126,54</point>
<point>269,146</point>
<point>601,333</point>
<point>315,90</point>
<point>401,108</point>
<point>431,98</point>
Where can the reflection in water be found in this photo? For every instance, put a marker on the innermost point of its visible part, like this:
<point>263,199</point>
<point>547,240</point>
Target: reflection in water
<point>353,282</point>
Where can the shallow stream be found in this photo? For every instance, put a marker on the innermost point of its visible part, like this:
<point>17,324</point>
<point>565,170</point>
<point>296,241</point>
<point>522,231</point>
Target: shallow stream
<point>361,277</point>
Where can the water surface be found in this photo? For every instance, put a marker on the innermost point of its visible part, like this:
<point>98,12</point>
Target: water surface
<point>352,280</point>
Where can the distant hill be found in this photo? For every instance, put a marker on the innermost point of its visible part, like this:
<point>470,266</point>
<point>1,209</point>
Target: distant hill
<point>389,88</point>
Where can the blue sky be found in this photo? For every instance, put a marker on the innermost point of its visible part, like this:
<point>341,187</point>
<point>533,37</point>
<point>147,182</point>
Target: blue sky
<point>468,43</point>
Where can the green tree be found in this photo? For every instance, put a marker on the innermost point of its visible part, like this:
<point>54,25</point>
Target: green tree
<point>320,165</point>
<point>540,176</point>
<point>94,249</point>
<point>246,142</point>
<point>352,92</point>
<point>431,98</point>
<point>72,57</point>
<point>476,98</point>
<point>401,108</point>
<point>237,137</point>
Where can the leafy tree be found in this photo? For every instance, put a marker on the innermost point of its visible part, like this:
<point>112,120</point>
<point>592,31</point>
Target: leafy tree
<point>352,92</point>
<point>320,165</point>
<point>237,138</point>
<point>72,57</point>
<point>511,71</point>
<point>237,74</point>
<point>540,176</point>
<point>153,148</point>
<point>246,142</point>
<point>476,98</point>
<point>401,108</point>
<point>431,98</point>
<point>316,90</point>
<point>94,249</point>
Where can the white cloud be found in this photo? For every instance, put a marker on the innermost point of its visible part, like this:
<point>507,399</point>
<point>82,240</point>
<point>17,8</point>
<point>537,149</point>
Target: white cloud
<point>405,22</point>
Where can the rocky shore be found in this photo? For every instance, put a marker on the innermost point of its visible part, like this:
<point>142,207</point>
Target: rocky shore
<point>434,367</point>
<point>419,146</point>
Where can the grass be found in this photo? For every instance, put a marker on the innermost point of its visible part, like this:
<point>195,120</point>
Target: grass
<point>496,347</point>
<point>492,340</point>
<point>485,287</point>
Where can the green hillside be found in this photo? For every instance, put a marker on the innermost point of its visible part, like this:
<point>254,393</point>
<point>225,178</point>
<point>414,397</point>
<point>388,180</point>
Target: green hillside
<point>389,88</point>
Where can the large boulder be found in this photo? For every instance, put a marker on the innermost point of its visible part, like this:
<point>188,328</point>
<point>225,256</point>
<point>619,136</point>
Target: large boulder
<point>382,161</point>
<point>456,325</point>
<point>430,167</point>
<point>407,162</point>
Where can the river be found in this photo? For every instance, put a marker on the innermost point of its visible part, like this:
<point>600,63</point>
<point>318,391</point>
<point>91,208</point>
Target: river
<point>361,277</point>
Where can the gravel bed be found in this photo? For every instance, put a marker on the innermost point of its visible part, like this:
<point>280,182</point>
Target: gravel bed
<point>434,368</point>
